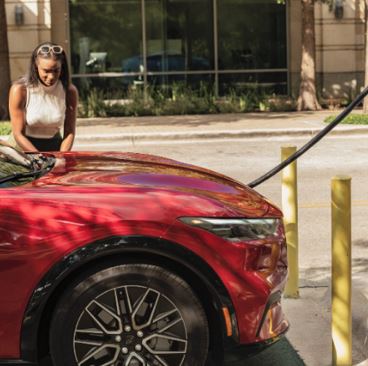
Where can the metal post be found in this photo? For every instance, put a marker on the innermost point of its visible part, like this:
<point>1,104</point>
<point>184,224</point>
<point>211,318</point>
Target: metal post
<point>290,210</point>
<point>341,271</point>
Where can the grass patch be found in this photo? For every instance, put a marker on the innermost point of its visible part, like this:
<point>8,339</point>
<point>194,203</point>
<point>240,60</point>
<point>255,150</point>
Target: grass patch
<point>5,128</point>
<point>351,119</point>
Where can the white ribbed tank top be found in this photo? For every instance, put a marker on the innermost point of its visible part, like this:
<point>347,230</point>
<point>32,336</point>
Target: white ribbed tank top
<point>45,110</point>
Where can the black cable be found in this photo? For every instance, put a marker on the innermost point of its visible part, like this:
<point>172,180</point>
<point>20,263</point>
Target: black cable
<point>312,142</point>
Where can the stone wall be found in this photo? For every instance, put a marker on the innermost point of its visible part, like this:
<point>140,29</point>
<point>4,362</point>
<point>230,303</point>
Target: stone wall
<point>23,38</point>
<point>339,49</point>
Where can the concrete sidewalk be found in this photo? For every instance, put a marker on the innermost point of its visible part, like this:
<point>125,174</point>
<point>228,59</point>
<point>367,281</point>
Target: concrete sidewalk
<point>310,326</point>
<point>192,127</point>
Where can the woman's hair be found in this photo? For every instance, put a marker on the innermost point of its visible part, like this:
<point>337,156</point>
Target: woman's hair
<point>32,77</point>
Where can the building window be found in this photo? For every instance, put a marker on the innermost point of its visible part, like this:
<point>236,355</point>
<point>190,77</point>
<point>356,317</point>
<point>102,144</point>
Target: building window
<point>104,33</point>
<point>179,41</point>
<point>252,36</point>
<point>118,43</point>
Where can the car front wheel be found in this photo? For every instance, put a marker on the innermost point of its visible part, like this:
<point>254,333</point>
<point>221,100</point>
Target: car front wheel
<point>129,315</point>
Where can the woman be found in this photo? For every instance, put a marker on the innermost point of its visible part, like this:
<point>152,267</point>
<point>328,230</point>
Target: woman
<point>43,103</point>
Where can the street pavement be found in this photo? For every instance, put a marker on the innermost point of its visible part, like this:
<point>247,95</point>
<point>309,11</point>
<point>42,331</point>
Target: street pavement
<point>309,338</point>
<point>308,341</point>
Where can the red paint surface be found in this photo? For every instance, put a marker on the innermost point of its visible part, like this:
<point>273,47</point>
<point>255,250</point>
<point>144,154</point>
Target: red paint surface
<point>89,196</point>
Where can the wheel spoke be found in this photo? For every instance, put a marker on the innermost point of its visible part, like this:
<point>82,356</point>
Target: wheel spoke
<point>124,304</point>
<point>144,311</point>
<point>117,304</point>
<point>91,337</point>
<point>104,317</point>
<point>132,358</point>
<point>101,354</point>
<point>90,331</point>
<point>159,359</point>
<point>168,326</point>
<point>164,315</point>
<point>170,345</point>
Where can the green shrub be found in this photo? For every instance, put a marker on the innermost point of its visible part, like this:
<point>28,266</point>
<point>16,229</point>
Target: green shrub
<point>116,110</point>
<point>180,99</point>
<point>236,102</point>
<point>278,103</point>
<point>352,119</point>
<point>139,108</point>
<point>204,105</point>
<point>176,106</point>
<point>333,103</point>
<point>229,106</point>
<point>140,102</point>
<point>5,128</point>
<point>93,105</point>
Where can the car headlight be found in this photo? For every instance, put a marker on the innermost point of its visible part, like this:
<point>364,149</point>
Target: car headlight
<point>236,230</point>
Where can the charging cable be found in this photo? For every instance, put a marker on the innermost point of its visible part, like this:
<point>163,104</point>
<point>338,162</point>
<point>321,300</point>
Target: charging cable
<point>312,142</point>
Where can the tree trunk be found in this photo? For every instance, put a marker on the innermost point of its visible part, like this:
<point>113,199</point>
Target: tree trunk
<point>307,94</point>
<point>4,64</point>
<point>365,102</point>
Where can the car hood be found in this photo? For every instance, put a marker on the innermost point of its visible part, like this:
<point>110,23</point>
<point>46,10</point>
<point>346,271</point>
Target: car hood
<point>113,170</point>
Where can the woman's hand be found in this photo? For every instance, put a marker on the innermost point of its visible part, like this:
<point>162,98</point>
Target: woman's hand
<point>4,143</point>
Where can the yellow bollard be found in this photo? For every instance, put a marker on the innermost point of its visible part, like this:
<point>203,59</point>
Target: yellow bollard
<point>341,271</point>
<point>290,210</point>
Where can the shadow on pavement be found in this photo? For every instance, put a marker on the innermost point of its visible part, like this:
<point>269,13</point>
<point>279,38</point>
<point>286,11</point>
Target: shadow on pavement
<point>281,353</point>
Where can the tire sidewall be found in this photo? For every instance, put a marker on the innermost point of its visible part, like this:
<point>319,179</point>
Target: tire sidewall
<point>77,297</point>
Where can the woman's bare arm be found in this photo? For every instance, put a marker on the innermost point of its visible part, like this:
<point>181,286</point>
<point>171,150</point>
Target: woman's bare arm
<point>70,119</point>
<point>17,102</point>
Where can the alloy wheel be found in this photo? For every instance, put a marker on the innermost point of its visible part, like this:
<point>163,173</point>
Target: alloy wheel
<point>130,326</point>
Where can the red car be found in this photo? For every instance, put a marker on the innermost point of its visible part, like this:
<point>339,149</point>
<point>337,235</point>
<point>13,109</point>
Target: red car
<point>127,259</point>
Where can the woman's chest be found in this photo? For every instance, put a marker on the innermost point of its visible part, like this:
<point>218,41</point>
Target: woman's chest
<point>44,108</point>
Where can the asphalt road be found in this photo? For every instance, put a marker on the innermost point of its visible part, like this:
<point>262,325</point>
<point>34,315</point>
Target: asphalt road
<point>246,160</point>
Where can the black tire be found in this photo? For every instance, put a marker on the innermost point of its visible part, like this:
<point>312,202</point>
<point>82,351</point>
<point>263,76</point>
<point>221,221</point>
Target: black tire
<point>125,314</point>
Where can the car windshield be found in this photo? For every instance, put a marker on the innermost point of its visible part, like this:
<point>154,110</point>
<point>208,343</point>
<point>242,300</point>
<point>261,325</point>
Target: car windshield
<point>18,168</point>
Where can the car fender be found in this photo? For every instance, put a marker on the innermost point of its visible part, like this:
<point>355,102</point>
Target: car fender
<point>119,249</point>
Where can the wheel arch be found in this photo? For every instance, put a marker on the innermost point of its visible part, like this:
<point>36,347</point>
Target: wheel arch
<point>119,250</point>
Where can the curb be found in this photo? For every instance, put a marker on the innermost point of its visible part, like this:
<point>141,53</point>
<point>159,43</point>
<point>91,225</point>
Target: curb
<point>220,134</point>
<point>216,134</point>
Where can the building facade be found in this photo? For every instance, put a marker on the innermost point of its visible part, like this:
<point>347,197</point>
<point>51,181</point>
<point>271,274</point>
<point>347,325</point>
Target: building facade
<point>227,44</point>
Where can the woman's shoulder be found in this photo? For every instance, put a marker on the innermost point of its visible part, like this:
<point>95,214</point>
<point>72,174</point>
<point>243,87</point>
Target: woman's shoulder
<point>72,89</point>
<point>19,85</point>
<point>72,95</point>
<point>18,90</point>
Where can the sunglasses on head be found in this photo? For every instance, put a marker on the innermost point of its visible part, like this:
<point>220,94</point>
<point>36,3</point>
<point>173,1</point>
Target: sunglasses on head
<point>45,50</point>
